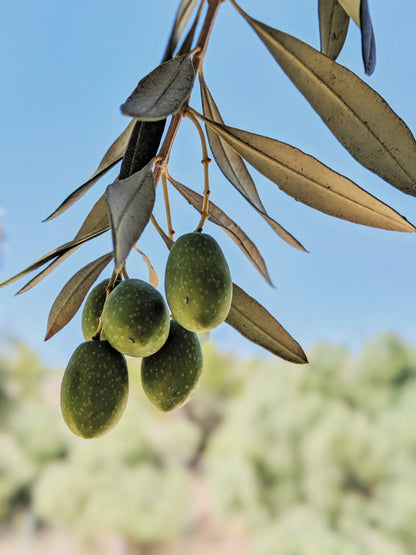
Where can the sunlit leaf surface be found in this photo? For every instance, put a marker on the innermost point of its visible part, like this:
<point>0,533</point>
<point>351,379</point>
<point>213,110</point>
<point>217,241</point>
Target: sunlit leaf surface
<point>256,324</point>
<point>357,115</point>
<point>309,181</point>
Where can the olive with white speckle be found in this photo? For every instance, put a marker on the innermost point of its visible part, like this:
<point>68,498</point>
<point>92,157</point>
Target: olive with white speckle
<point>170,376</point>
<point>94,389</point>
<point>197,282</point>
<point>136,318</point>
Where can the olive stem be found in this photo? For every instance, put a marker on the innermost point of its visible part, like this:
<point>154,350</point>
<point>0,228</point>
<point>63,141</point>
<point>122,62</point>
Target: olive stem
<point>168,241</point>
<point>205,161</point>
<point>201,47</point>
<point>167,204</point>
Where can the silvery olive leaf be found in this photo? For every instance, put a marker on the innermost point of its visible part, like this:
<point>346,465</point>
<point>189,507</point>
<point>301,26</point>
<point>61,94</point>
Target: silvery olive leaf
<point>186,45</point>
<point>113,155</point>
<point>333,27</point>
<point>357,115</point>
<point>183,14</point>
<point>234,169</point>
<point>130,203</point>
<point>368,43</point>
<point>309,181</point>
<point>73,293</point>
<point>256,324</point>
<point>96,223</point>
<point>163,91</point>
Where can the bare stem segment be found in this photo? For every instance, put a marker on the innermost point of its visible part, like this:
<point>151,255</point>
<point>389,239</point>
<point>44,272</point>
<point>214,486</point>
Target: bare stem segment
<point>205,161</point>
<point>201,47</point>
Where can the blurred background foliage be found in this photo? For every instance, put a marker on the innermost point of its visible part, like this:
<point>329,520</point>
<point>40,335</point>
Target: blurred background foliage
<point>267,458</point>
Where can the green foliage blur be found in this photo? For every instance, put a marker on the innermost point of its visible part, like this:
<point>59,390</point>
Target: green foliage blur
<point>294,460</point>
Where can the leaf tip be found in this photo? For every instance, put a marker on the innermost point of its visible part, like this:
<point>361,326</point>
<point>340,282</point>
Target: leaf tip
<point>48,335</point>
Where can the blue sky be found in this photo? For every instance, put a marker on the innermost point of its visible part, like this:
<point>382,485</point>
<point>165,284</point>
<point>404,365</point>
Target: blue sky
<point>67,67</point>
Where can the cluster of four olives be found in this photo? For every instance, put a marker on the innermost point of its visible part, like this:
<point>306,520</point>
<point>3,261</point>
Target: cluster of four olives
<point>136,322</point>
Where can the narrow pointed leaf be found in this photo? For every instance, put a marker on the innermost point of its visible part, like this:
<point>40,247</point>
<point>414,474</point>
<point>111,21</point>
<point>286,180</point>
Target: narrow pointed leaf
<point>96,223</point>
<point>358,116</point>
<point>234,169</point>
<point>186,46</point>
<point>147,144</point>
<point>333,27</point>
<point>309,181</point>
<point>163,91</point>
<point>183,14</point>
<point>113,155</point>
<point>46,271</point>
<point>73,293</point>
<point>218,217</point>
<point>129,152</point>
<point>368,43</point>
<point>256,324</point>
<point>97,220</point>
<point>130,203</point>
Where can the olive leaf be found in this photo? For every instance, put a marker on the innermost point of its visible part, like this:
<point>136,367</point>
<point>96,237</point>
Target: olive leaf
<point>73,293</point>
<point>46,271</point>
<point>368,44</point>
<point>130,203</point>
<point>163,91</point>
<point>183,14</point>
<point>333,27</point>
<point>234,169</point>
<point>147,144</point>
<point>356,114</point>
<point>218,217</point>
<point>96,223</point>
<point>96,220</point>
<point>309,181</point>
<point>358,10</point>
<point>186,46</point>
<point>113,155</point>
<point>256,324</point>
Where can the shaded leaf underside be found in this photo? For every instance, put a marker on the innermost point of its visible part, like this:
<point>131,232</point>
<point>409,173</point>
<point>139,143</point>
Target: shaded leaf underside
<point>130,203</point>
<point>163,91</point>
<point>333,27</point>
<point>73,293</point>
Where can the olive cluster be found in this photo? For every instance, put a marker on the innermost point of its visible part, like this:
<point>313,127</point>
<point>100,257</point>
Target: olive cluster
<point>137,321</point>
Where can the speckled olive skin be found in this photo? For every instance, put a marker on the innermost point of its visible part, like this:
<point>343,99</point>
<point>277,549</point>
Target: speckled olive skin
<point>92,310</point>
<point>170,376</point>
<point>94,389</point>
<point>136,318</point>
<point>197,282</point>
